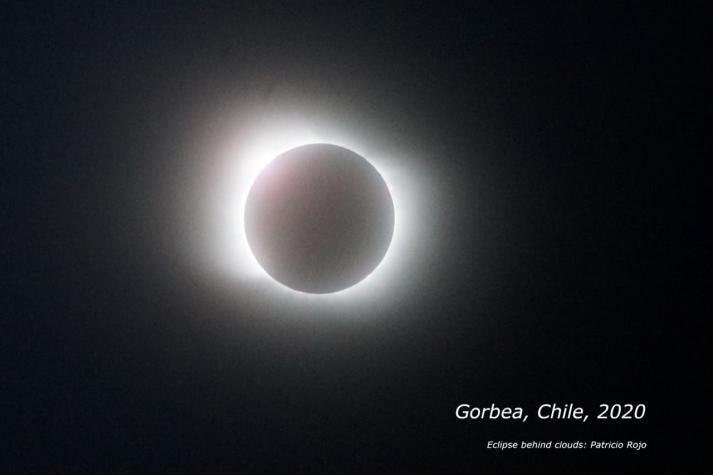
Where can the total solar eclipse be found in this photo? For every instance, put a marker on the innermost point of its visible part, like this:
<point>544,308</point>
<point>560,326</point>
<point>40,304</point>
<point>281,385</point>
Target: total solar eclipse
<point>319,218</point>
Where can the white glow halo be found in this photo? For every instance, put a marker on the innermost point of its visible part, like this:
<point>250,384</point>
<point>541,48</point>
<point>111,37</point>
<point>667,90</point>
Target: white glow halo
<point>246,153</point>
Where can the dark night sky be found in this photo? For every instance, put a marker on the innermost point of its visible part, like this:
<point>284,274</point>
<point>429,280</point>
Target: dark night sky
<point>557,141</point>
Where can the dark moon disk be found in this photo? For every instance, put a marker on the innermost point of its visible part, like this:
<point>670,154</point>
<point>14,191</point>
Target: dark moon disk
<point>319,218</point>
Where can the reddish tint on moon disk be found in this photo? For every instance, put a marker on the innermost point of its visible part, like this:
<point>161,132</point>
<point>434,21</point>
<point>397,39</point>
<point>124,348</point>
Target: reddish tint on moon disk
<point>319,218</point>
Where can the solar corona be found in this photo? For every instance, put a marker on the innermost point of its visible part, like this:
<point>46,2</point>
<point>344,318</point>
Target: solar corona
<point>312,212</point>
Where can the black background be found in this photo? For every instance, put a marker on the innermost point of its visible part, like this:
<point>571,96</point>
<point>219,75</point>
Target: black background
<point>558,140</point>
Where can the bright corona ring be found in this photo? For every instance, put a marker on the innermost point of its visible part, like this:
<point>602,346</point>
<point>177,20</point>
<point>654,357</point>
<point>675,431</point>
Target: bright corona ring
<point>319,218</point>
<point>303,212</point>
